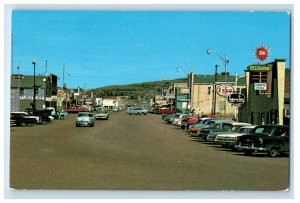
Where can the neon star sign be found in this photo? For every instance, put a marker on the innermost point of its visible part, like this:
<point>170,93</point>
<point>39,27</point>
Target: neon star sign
<point>262,53</point>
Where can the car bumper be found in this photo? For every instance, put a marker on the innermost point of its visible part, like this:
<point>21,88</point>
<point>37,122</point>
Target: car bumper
<point>226,143</point>
<point>84,123</point>
<point>252,147</point>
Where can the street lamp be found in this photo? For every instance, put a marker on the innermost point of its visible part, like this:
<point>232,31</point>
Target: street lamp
<point>33,103</point>
<point>225,61</point>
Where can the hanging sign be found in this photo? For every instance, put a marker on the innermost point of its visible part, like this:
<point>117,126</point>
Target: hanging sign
<point>236,98</point>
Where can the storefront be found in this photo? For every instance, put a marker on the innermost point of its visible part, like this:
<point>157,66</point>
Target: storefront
<point>267,99</point>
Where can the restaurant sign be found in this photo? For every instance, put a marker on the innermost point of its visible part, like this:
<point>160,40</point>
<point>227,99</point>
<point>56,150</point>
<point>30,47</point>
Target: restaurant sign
<point>260,68</point>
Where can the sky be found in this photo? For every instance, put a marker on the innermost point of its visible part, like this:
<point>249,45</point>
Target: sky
<point>101,48</point>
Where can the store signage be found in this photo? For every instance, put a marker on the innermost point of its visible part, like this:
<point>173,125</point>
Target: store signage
<point>260,68</point>
<point>224,89</point>
<point>184,91</point>
<point>262,53</point>
<point>236,98</point>
<point>260,86</point>
<point>31,98</point>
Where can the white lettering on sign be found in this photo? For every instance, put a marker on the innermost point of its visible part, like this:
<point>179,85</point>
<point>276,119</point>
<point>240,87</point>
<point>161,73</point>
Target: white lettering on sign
<point>222,90</point>
<point>260,86</point>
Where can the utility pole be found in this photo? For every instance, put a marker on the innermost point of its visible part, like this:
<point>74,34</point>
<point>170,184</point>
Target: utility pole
<point>215,91</point>
<point>33,103</point>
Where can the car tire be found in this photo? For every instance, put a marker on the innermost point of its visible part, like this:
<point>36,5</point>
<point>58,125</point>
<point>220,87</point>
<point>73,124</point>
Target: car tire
<point>232,148</point>
<point>273,152</point>
<point>62,117</point>
<point>44,122</point>
<point>248,152</point>
<point>22,124</point>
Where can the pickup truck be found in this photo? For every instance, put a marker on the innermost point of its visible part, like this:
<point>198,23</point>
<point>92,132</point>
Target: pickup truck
<point>57,114</point>
<point>272,139</point>
<point>137,111</point>
<point>21,120</point>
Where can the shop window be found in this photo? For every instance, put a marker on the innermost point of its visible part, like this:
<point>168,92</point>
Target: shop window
<point>209,90</point>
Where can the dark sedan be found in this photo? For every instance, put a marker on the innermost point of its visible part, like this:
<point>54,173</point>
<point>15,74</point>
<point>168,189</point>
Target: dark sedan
<point>272,139</point>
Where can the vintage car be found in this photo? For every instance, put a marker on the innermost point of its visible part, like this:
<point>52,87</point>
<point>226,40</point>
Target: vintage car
<point>163,111</point>
<point>218,125</point>
<point>85,119</point>
<point>57,114</point>
<point>228,127</point>
<point>78,109</point>
<point>21,120</point>
<point>230,139</point>
<point>137,111</point>
<point>101,114</point>
<point>195,128</point>
<point>44,115</point>
<point>25,114</point>
<point>272,139</point>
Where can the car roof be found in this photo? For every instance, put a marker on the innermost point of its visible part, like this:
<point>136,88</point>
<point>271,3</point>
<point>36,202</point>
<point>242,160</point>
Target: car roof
<point>239,123</point>
<point>249,126</point>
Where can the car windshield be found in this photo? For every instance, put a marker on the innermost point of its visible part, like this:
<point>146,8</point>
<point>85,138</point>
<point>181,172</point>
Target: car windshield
<point>85,114</point>
<point>234,128</point>
<point>101,111</point>
<point>244,130</point>
<point>227,126</point>
<point>264,130</point>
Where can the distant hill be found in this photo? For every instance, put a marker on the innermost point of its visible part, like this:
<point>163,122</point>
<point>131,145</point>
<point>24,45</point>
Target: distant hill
<point>137,89</point>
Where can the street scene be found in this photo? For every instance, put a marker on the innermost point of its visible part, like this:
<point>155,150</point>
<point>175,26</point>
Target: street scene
<point>150,100</point>
<point>132,152</point>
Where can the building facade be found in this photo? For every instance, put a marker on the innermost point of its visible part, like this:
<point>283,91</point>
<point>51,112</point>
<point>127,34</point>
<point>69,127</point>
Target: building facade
<point>22,87</point>
<point>207,94</point>
<point>268,93</point>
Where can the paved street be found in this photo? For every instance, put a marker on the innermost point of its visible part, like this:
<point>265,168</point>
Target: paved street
<point>133,153</point>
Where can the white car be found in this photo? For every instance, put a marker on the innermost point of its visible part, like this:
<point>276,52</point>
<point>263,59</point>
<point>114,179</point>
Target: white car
<point>85,119</point>
<point>101,114</point>
<point>230,139</point>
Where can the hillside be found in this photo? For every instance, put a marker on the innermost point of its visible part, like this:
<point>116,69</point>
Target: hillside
<point>137,89</point>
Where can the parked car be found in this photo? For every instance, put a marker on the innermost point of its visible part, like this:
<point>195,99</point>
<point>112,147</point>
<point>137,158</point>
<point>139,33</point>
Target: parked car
<point>215,126</point>
<point>25,114</point>
<point>45,115</point>
<point>78,109</point>
<point>228,127</point>
<point>21,120</point>
<point>137,111</point>
<point>163,111</point>
<point>270,139</point>
<point>166,116</point>
<point>230,139</point>
<point>101,114</point>
<point>57,114</point>
<point>85,119</point>
<point>195,128</point>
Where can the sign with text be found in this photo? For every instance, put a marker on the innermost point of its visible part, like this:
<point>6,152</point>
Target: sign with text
<point>260,86</point>
<point>224,89</point>
<point>184,90</point>
<point>236,98</point>
<point>260,68</point>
